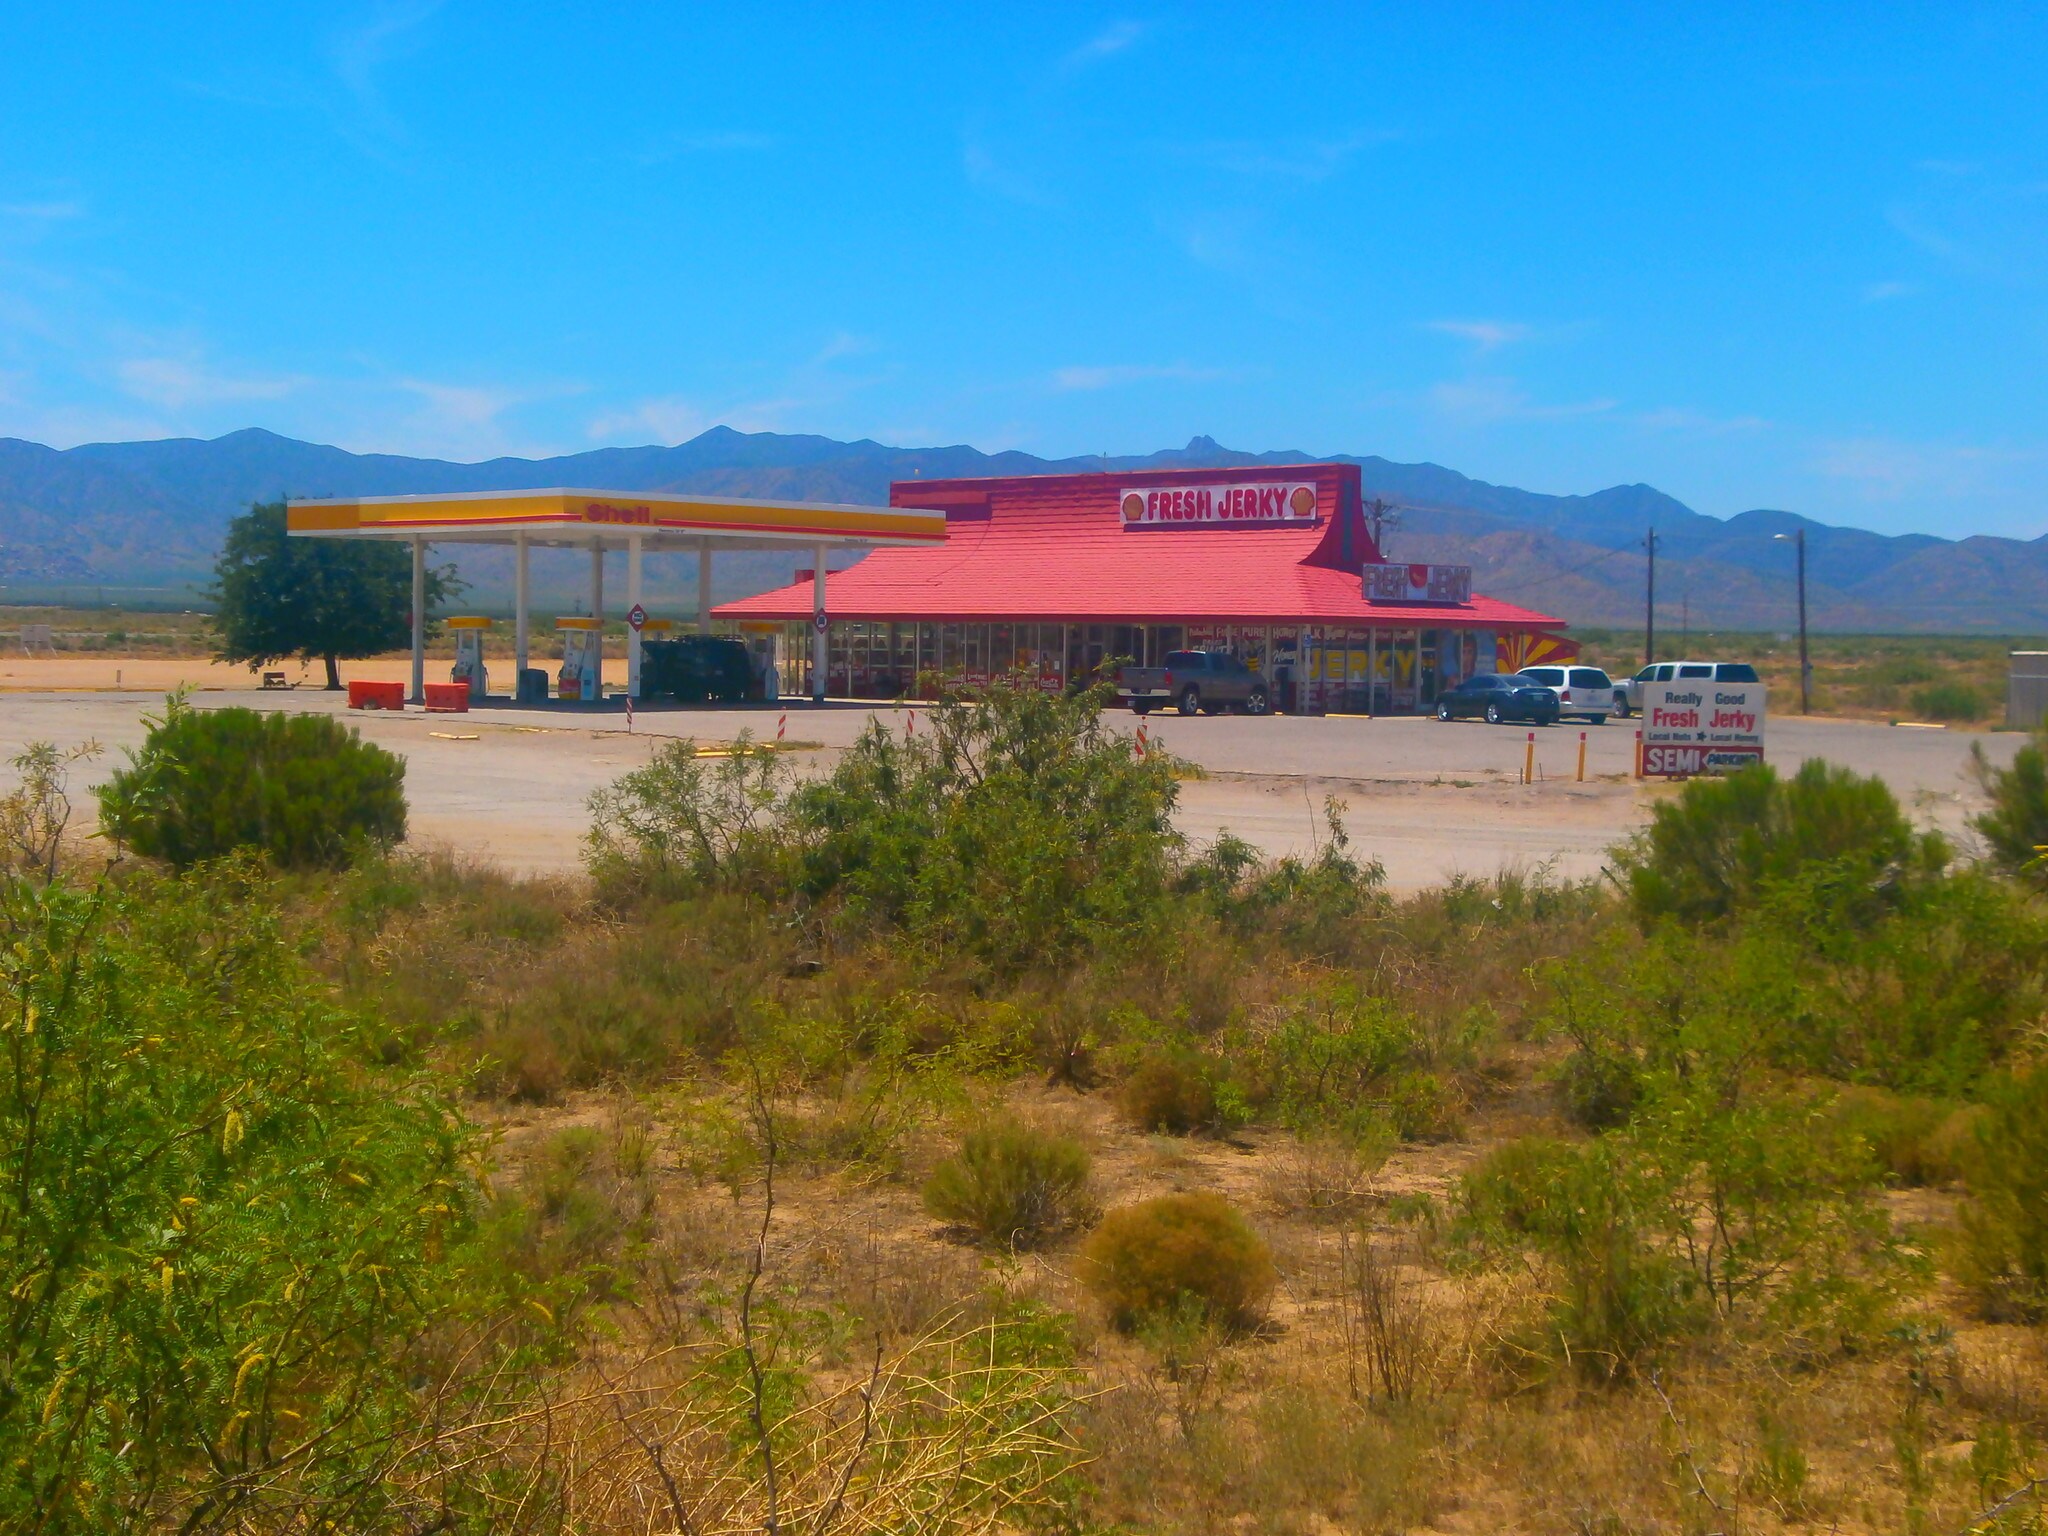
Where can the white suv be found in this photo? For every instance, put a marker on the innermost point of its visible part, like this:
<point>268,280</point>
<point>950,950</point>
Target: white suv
<point>1583,691</point>
<point>1628,695</point>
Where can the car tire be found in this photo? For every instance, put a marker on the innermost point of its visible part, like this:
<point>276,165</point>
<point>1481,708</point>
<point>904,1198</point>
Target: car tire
<point>1596,719</point>
<point>1190,700</point>
<point>1443,711</point>
<point>1621,710</point>
<point>1493,714</point>
<point>1141,707</point>
<point>1256,702</point>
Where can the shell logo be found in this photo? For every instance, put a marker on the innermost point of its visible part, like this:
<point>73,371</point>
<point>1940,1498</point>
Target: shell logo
<point>1134,507</point>
<point>1303,501</point>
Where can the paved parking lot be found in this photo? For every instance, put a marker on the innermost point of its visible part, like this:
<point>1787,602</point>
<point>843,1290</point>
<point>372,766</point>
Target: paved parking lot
<point>1428,799</point>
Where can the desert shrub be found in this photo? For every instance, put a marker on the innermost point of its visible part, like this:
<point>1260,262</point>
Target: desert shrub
<point>226,1242</point>
<point>1312,905</point>
<point>1918,1141</point>
<point>1013,827</point>
<point>1170,1088</point>
<point>1012,1184</point>
<point>2003,1248</point>
<point>35,814</point>
<point>2016,825</point>
<point>1723,841</point>
<point>684,823</point>
<point>1950,701</point>
<point>1165,1255</point>
<point>304,790</point>
<point>1714,1205</point>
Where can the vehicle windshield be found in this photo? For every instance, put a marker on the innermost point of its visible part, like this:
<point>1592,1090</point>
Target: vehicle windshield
<point>1549,677</point>
<point>1735,672</point>
<point>1590,677</point>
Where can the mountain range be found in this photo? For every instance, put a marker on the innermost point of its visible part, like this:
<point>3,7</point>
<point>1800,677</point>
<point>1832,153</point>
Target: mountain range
<point>149,513</point>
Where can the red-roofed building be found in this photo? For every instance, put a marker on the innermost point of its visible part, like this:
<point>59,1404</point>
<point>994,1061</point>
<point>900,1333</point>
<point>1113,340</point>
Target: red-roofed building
<point>1060,573</point>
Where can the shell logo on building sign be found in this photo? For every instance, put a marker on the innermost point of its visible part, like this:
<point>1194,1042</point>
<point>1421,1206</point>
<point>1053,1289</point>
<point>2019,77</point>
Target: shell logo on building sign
<point>1184,505</point>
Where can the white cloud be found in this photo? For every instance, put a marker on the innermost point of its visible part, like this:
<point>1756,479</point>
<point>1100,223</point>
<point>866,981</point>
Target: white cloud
<point>358,56</point>
<point>1893,469</point>
<point>1309,160</point>
<point>724,141</point>
<point>1684,419</point>
<point>667,419</point>
<point>1486,400</point>
<point>991,175</point>
<point>1485,335</point>
<point>43,213</point>
<point>177,383</point>
<point>1080,378</point>
<point>1112,40</point>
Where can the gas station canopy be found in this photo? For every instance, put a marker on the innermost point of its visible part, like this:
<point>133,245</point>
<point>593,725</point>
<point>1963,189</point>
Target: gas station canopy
<point>639,523</point>
<point>583,519</point>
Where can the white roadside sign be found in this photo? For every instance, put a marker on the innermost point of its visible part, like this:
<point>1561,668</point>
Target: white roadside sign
<point>1701,726</point>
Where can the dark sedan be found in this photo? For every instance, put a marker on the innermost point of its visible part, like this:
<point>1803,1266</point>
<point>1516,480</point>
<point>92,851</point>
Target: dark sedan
<point>1498,697</point>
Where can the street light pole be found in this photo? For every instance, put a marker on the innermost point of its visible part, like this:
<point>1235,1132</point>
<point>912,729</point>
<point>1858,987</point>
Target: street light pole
<point>1798,542</point>
<point>1650,602</point>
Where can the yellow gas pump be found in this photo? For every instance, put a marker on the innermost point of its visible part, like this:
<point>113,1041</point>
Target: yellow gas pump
<point>469,635</point>
<point>582,674</point>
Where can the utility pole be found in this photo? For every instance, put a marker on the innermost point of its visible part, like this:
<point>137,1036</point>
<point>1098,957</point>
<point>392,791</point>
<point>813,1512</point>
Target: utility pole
<point>1381,515</point>
<point>1650,602</point>
<point>1797,539</point>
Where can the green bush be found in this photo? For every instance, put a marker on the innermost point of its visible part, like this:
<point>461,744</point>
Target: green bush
<point>2004,1236</point>
<point>305,790</point>
<point>1012,1184</point>
<point>1013,827</point>
<point>685,823</point>
<point>1165,1256</point>
<point>2016,825</point>
<point>1950,701</point>
<point>1724,841</point>
<point>1717,1204</point>
<point>226,1242</point>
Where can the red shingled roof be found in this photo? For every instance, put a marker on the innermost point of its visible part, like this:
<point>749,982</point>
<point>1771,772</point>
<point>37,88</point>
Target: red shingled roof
<point>1054,547</point>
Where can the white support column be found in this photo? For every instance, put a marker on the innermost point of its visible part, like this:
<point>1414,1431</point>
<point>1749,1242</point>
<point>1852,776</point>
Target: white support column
<point>521,586</point>
<point>419,620</point>
<point>703,586</point>
<point>597,606</point>
<point>632,602</point>
<point>820,655</point>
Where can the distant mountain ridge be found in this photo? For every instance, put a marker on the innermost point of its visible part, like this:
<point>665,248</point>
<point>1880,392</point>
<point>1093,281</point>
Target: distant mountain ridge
<point>154,511</point>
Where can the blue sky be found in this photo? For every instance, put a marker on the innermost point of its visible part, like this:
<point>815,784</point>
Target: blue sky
<point>1780,256</point>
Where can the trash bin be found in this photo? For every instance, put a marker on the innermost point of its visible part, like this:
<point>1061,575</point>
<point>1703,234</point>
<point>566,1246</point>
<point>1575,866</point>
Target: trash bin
<point>533,686</point>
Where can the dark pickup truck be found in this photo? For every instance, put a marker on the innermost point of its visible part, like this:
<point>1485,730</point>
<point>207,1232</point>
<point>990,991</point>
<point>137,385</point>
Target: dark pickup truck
<point>1209,681</point>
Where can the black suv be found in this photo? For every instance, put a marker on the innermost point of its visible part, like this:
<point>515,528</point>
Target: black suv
<point>695,669</point>
<point>1499,697</point>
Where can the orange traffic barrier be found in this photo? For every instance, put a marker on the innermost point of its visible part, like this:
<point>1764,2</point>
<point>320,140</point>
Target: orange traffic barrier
<point>447,698</point>
<point>364,694</point>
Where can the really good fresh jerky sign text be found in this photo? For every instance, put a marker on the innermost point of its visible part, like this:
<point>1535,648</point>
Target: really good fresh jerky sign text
<point>1701,726</point>
<point>1182,505</point>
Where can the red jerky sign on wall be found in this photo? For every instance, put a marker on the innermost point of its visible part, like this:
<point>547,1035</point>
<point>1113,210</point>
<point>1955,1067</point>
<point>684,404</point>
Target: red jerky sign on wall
<point>1182,505</point>
<point>1418,583</point>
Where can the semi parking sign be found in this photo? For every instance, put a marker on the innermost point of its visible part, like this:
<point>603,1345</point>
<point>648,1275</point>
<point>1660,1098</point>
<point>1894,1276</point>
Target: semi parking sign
<point>1700,726</point>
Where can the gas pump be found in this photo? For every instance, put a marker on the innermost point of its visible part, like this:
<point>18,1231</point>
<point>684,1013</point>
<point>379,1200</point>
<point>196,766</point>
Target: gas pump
<point>469,654</point>
<point>582,674</point>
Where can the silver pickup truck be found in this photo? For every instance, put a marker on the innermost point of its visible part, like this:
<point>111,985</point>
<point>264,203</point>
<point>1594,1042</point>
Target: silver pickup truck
<point>1208,681</point>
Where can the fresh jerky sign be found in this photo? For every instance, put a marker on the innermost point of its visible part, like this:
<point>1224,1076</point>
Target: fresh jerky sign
<point>1418,583</point>
<point>1696,725</point>
<point>1196,505</point>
